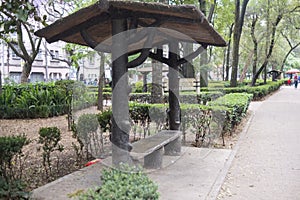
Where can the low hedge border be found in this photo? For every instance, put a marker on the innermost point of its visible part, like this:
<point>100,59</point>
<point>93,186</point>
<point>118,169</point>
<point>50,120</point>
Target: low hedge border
<point>258,92</point>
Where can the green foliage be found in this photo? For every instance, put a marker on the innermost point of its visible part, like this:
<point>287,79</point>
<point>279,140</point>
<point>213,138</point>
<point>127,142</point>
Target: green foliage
<point>87,126</point>
<point>138,87</point>
<point>10,146</point>
<point>49,138</point>
<point>140,97</point>
<point>198,118</point>
<point>87,123</point>
<point>123,184</point>
<point>43,99</point>
<point>259,91</point>
<point>11,185</point>
<point>13,12</point>
<point>78,149</point>
<point>237,104</point>
<point>13,189</point>
<point>104,119</point>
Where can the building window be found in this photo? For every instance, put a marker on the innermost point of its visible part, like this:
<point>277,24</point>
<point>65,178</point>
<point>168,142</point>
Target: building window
<point>39,55</point>
<point>54,54</point>
<point>92,59</point>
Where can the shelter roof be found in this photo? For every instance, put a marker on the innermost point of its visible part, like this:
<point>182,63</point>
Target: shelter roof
<point>181,22</point>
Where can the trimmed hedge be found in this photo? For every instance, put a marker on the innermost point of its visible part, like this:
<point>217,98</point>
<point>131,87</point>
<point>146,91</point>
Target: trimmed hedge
<point>237,106</point>
<point>226,111</point>
<point>258,92</point>
<point>185,97</point>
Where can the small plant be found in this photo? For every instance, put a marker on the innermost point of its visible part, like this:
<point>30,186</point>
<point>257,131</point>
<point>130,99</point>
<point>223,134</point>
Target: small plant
<point>78,149</point>
<point>125,183</point>
<point>49,138</point>
<point>11,184</point>
<point>87,132</point>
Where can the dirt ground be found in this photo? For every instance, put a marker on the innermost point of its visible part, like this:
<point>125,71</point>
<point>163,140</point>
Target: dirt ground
<point>32,170</point>
<point>30,166</point>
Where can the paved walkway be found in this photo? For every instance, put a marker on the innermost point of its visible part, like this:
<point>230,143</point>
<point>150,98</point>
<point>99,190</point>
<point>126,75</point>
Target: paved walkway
<point>267,161</point>
<point>264,165</point>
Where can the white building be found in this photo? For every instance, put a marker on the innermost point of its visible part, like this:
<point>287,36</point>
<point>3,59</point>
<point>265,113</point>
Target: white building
<point>47,67</point>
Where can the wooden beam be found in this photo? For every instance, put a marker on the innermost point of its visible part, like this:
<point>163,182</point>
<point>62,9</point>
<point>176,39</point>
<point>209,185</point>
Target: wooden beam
<point>83,26</point>
<point>145,51</point>
<point>93,44</point>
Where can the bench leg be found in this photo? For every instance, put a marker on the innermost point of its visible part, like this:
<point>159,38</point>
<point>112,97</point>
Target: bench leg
<point>173,148</point>
<point>154,160</point>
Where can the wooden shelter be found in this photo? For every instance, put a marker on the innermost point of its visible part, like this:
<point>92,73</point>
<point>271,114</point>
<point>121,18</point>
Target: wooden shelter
<point>123,28</point>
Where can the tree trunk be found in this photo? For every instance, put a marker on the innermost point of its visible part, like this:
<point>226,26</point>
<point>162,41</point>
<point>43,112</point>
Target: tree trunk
<point>237,32</point>
<point>203,56</point>
<point>157,89</point>
<point>26,72</point>
<point>245,69</point>
<point>101,82</point>
<point>187,68</point>
<point>272,43</point>
<point>0,82</point>
<point>203,70</point>
<point>227,65</point>
<point>255,49</point>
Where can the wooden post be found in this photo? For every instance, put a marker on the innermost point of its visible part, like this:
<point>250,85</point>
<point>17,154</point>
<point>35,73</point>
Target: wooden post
<point>174,148</point>
<point>174,112</point>
<point>120,107</point>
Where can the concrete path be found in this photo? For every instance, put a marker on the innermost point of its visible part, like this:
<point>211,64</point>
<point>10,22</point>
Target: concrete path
<point>264,165</point>
<point>267,161</point>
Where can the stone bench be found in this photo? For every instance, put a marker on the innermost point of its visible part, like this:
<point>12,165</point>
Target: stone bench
<point>152,148</point>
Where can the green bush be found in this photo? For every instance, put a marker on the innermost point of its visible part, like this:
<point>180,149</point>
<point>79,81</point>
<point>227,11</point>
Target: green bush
<point>87,126</point>
<point>104,119</point>
<point>237,104</point>
<point>49,138</point>
<point>43,99</point>
<point>138,87</point>
<point>11,184</point>
<point>123,184</point>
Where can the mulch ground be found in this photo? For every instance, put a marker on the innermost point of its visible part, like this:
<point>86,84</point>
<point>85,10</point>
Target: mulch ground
<point>65,162</point>
<point>30,167</point>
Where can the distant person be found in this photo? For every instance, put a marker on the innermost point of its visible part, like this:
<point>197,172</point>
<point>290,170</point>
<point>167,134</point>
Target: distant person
<point>296,81</point>
<point>289,82</point>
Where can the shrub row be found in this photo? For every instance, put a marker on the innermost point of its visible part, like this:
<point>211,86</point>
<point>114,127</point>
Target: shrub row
<point>226,112</point>
<point>43,99</point>
<point>185,97</point>
<point>258,91</point>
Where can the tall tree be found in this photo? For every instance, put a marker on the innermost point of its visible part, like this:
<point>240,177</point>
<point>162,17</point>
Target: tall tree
<point>227,55</point>
<point>282,11</point>
<point>204,56</point>
<point>255,44</point>
<point>15,18</point>
<point>240,11</point>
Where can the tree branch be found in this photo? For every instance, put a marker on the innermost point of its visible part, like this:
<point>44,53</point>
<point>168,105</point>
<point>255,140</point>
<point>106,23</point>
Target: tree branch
<point>159,58</point>
<point>145,52</point>
<point>21,43</point>
<point>191,56</point>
